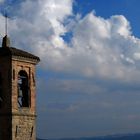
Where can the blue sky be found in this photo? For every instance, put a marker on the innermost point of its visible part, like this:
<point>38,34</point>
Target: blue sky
<point>88,77</point>
<point>130,9</point>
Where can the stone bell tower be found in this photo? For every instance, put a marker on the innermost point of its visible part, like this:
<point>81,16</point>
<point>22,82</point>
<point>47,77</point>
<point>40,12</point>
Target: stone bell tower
<point>17,93</point>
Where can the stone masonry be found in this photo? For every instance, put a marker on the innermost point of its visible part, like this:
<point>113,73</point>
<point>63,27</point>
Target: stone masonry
<point>16,122</point>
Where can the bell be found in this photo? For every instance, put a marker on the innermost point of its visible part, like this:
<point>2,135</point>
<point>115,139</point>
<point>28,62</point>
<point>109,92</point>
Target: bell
<point>20,93</point>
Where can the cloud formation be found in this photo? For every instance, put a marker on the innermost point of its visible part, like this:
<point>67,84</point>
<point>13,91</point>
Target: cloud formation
<point>93,107</point>
<point>107,46</point>
<point>98,47</point>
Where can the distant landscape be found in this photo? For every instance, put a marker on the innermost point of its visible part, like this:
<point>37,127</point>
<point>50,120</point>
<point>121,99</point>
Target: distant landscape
<point>110,137</point>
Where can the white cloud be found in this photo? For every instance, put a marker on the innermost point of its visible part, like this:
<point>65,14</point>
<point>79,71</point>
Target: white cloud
<point>2,25</point>
<point>120,25</point>
<point>96,48</point>
<point>137,56</point>
<point>1,1</point>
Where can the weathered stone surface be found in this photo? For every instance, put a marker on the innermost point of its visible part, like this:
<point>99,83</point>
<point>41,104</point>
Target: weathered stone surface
<point>17,123</point>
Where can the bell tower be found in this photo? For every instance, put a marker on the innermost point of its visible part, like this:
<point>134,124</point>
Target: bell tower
<point>17,93</point>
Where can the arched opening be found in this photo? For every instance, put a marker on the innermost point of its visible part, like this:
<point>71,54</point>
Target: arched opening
<point>23,89</point>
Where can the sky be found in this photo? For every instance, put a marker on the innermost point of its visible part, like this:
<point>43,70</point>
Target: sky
<point>88,78</point>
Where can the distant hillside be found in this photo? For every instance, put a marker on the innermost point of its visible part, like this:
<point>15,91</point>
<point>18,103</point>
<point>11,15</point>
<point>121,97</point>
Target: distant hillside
<point>43,139</point>
<point>113,137</point>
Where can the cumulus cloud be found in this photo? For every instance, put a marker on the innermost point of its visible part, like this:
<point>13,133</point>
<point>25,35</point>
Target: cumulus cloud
<point>98,47</point>
<point>102,43</point>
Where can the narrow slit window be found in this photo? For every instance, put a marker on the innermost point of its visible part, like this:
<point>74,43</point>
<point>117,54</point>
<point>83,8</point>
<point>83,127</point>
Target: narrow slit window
<point>32,129</point>
<point>13,74</point>
<point>33,79</point>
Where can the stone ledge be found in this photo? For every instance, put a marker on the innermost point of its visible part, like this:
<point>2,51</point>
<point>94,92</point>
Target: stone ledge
<point>17,114</point>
